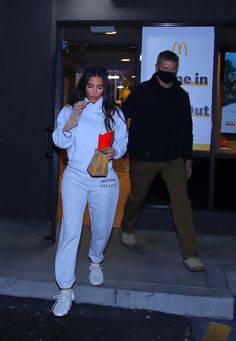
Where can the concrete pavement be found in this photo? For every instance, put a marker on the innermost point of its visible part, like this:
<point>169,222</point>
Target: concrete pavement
<point>149,276</point>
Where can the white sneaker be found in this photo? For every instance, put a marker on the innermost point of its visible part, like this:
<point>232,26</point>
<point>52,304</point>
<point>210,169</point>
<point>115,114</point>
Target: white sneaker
<point>96,274</point>
<point>128,238</point>
<point>194,264</point>
<point>63,302</point>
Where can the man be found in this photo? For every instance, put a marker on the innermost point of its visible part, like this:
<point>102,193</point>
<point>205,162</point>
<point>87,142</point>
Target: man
<point>160,141</point>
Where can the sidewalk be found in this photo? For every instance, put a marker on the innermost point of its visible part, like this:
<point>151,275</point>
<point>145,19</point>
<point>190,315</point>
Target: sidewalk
<point>148,276</point>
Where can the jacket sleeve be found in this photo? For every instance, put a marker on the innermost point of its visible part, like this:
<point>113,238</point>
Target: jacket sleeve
<point>63,139</point>
<point>120,136</point>
<point>187,129</point>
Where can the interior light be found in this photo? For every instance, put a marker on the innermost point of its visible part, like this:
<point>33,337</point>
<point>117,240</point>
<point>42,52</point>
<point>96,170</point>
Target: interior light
<point>133,76</point>
<point>120,87</point>
<point>125,59</point>
<point>113,77</point>
<point>110,33</point>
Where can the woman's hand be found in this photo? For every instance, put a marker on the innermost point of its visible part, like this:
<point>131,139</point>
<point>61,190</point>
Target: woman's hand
<point>109,152</point>
<point>77,109</point>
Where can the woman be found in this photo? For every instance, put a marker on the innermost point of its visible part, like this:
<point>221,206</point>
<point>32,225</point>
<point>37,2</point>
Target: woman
<point>91,112</point>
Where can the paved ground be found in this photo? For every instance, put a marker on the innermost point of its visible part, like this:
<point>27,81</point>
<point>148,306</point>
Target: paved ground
<point>150,276</point>
<point>25,319</point>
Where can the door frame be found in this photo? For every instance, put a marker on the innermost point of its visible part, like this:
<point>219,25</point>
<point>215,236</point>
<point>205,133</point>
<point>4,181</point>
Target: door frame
<point>58,101</point>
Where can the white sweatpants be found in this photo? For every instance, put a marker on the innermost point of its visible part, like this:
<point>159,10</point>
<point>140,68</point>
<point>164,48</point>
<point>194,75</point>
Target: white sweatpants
<point>102,195</point>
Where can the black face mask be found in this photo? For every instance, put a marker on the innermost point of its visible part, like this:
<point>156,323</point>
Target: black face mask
<point>166,76</point>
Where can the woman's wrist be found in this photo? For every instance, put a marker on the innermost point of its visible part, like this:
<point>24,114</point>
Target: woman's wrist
<point>72,123</point>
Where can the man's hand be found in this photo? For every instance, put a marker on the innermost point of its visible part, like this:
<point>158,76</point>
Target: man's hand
<point>189,167</point>
<point>75,115</point>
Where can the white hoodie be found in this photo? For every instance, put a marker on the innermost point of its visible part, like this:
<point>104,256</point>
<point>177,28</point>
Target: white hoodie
<point>82,140</point>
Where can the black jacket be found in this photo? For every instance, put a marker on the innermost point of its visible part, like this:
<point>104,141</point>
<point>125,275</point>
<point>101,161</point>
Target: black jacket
<point>161,122</point>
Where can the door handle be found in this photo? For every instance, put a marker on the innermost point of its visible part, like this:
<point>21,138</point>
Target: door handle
<point>49,145</point>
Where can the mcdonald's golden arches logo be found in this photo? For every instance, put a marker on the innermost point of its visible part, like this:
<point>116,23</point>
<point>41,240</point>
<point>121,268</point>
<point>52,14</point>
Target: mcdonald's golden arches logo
<point>179,47</point>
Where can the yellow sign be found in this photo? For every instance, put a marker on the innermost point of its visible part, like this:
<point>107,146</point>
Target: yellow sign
<point>217,332</point>
<point>179,47</point>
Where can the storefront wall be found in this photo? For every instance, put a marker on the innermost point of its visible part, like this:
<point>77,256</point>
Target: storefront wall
<point>28,38</point>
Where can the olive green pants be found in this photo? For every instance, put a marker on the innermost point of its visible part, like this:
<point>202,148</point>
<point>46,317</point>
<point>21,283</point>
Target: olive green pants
<point>174,174</point>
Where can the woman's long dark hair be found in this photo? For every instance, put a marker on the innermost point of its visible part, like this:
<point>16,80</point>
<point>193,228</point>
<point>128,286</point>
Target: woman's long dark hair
<point>108,106</point>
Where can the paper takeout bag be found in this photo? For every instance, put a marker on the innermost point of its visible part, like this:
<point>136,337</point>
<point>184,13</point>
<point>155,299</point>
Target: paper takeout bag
<point>98,165</point>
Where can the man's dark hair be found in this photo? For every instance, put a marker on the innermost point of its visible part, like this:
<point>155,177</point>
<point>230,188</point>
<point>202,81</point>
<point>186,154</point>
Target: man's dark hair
<point>167,55</point>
